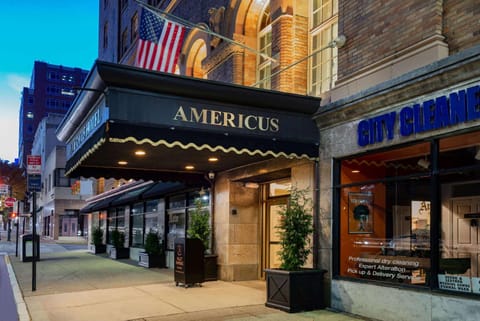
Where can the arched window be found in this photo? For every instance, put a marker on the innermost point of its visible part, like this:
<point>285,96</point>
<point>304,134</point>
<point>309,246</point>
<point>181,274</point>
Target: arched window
<point>196,53</point>
<point>264,46</point>
<point>199,52</point>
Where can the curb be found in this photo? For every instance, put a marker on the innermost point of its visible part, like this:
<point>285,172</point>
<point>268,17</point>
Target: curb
<point>22,311</point>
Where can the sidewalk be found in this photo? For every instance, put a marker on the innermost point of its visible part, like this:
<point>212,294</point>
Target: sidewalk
<point>76,285</point>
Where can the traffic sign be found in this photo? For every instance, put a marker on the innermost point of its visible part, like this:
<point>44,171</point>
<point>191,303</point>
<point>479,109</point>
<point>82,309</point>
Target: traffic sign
<point>34,183</point>
<point>34,164</point>
<point>4,189</point>
<point>9,201</point>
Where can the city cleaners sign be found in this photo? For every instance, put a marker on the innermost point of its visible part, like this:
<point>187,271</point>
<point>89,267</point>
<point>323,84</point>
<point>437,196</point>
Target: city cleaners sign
<point>458,107</point>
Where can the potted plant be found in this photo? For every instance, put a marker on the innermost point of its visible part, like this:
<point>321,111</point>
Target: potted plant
<point>153,254</point>
<point>200,228</point>
<point>118,250</point>
<point>96,242</point>
<point>293,288</point>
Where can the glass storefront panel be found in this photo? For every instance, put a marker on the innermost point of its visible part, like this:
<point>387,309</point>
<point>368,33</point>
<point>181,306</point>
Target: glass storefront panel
<point>137,225</point>
<point>459,252</point>
<point>115,221</point>
<point>390,208</point>
<point>151,216</point>
<point>385,216</point>
<point>176,219</point>
<point>111,223</point>
<point>121,219</point>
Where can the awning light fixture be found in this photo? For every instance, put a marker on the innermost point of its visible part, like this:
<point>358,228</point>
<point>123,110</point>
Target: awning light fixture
<point>189,167</point>
<point>213,159</point>
<point>122,162</point>
<point>140,152</point>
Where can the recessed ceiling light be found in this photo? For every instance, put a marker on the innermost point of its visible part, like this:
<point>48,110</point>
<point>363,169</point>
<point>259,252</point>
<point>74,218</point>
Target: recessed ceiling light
<point>213,159</point>
<point>355,171</point>
<point>140,152</point>
<point>189,167</point>
<point>122,162</point>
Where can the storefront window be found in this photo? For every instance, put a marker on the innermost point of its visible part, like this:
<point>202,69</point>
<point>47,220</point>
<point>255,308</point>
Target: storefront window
<point>176,219</point>
<point>115,221</point>
<point>411,216</point>
<point>459,252</point>
<point>137,225</point>
<point>111,223</point>
<point>151,216</point>
<point>385,201</point>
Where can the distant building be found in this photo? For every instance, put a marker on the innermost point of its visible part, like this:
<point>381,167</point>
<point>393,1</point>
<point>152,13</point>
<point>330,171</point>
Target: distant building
<point>51,90</point>
<point>60,199</point>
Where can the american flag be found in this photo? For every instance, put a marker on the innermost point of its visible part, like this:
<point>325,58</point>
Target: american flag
<point>159,44</point>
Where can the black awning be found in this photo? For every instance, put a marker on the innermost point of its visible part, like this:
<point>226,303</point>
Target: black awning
<point>162,188</point>
<point>87,208</point>
<point>180,121</point>
<point>102,201</point>
<point>131,196</point>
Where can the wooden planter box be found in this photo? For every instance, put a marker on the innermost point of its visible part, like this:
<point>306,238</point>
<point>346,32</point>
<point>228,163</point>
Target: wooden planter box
<point>120,253</point>
<point>97,249</point>
<point>295,291</point>
<point>150,261</point>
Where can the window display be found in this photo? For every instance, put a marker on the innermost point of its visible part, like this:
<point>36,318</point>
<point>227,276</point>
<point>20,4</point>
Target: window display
<point>410,215</point>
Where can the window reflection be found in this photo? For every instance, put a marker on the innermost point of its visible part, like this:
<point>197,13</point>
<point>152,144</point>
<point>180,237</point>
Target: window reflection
<point>385,217</point>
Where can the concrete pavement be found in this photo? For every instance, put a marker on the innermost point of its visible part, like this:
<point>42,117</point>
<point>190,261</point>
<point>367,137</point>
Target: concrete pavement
<point>76,285</point>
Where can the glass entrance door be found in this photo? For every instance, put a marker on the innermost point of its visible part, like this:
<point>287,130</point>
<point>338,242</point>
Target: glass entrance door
<point>276,198</point>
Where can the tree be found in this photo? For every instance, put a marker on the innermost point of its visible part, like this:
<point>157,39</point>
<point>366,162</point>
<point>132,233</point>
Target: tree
<point>12,175</point>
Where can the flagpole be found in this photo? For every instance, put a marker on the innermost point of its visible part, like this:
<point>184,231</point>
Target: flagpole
<point>338,42</point>
<point>164,15</point>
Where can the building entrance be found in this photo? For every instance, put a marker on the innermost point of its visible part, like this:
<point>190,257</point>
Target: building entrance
<point>275,200</point>
<point>68,226</point>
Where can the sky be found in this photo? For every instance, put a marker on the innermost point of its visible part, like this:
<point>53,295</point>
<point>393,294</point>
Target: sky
<point>59,32</point>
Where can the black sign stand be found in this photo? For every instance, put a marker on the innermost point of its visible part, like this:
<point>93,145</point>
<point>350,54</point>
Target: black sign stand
<point>34,240</point>
<point>16,239</point>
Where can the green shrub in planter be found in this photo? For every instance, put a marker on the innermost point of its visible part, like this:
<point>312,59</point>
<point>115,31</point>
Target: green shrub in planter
<point>154,255</point>
<point>293,288</point>
<point>152,244</point>
<point>200,224</point>
<point>96,240</point>
<point>118,239</point>
<point>295,229</point>
<point>97,236</point>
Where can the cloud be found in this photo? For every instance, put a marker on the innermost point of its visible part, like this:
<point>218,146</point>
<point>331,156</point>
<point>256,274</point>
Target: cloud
<point>17,82</point>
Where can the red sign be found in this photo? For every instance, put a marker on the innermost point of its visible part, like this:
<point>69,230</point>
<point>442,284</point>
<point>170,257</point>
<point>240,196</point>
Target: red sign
<point>34,164</point>
<point>10,201</point>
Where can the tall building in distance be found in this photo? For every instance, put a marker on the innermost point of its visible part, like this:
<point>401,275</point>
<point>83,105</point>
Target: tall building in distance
<point>51,90</point>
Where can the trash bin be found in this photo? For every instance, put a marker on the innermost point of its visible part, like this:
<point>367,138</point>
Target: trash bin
<point>26,247</point>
